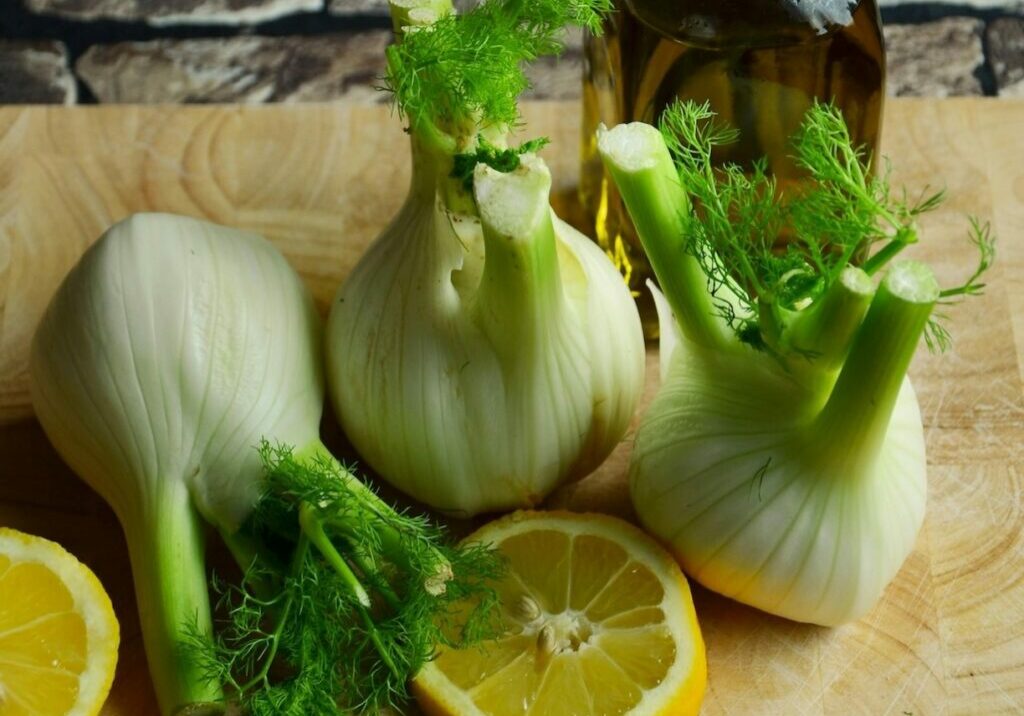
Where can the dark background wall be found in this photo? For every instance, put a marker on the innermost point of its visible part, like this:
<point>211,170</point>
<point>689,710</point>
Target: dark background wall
<point>84,51</point>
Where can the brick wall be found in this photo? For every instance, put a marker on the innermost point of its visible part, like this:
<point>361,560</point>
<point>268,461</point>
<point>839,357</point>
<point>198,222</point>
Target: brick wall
<point>68,51</point>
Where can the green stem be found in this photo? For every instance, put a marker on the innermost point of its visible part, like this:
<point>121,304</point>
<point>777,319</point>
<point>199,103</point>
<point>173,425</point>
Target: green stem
<point>432,158</point>
<point>393,543</point>
<point>369,571</point>
<point>824,331</point>
<point>773,320</point>
<point>247,548</point>
<point>312,527</point>
<point>856,416</point>
<point>371,629</point>
<point>520,292</point>
<point>883,256</point>
<point>433,152</point>
<point>243,547</point>
<point>639,161</point>
<point>281,619</point>
<point>904,237</point>
<point>168,564</point>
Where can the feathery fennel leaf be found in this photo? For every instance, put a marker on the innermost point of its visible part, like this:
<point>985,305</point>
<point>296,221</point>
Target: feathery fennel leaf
<point>503,160</point>
<point>302,639</point>
<point>466,70</point>
<point>835,218</point>
<point>936,335</point>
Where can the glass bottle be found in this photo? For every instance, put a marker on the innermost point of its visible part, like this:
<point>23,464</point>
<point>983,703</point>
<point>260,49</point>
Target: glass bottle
<point>760,63</point>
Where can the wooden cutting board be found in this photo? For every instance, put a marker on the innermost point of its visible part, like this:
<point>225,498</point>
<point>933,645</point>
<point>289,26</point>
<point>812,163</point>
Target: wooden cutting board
<point>321,181</point>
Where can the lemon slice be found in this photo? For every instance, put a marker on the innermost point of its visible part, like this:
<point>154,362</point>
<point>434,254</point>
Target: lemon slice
<point>58,632</point>
<point>600,622</point>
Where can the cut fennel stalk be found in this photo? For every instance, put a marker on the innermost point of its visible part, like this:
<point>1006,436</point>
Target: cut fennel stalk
<point>782,459</point>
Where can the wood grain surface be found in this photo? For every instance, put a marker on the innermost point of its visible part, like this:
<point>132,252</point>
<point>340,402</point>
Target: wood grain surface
<point>321,181</point>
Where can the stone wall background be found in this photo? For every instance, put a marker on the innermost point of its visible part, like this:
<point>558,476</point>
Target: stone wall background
<point>254,51</point>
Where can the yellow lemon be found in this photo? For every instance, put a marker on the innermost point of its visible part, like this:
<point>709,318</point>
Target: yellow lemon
<point>58,632</point>
<point>600,621</point>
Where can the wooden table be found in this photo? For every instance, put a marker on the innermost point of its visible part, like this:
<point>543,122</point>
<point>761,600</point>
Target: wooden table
<point>321,181</point>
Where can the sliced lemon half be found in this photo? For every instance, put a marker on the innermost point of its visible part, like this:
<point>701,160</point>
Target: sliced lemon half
<point>600,622</point>
<point>58,632</point>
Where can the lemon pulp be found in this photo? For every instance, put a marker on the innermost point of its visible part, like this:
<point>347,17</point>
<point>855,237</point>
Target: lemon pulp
<point>599,621</point>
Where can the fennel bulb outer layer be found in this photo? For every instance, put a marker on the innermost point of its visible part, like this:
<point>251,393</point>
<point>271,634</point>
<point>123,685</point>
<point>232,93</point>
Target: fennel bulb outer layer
<point>766,494</point>
<point>167,353</point>
<point>477,366</point>
<point>198,374</point>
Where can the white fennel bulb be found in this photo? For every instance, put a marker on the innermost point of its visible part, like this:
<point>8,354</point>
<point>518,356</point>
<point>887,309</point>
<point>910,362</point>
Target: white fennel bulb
<point>213,299</point>
<point>783,458</point>
<point>771,496</point>
<point>474,366</point>
<point>178,371</point>
<point>478,364</point>
<point>168,352</point>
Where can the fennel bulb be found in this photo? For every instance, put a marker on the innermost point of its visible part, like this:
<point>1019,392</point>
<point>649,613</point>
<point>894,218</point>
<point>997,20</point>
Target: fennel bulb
<point>482,351</point>
<point>170,353</point>
<point>783,458</point>
<point>167,352</point>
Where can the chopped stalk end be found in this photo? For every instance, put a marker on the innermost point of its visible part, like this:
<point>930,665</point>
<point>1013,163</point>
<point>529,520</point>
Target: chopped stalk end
<point>856,281</point>
<point>912,281</point>
<point>631,147</point>
<point>415,14</point>
<point>514,204</point>
<point>437,583</point>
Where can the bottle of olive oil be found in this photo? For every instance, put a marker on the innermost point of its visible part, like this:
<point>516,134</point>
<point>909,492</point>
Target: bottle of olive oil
<point>760,64</point>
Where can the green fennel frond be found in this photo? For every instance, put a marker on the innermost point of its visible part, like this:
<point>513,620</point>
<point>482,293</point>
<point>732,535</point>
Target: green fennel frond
<point>466,70</point>
<point>936,335</point>
<point>847,204</point>
<point>367,596</point>
<point>504,160</point>
<point>982,239</point>
<point>736,219</point>
<point>777,254</point>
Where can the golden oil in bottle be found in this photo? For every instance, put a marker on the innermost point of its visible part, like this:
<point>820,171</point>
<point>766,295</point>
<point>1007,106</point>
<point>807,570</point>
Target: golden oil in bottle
<point>760,64</point>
